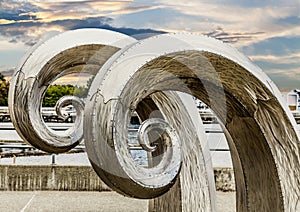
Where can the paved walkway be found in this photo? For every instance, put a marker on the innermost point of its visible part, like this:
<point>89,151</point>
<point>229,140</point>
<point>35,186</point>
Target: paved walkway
<point>86,201</point>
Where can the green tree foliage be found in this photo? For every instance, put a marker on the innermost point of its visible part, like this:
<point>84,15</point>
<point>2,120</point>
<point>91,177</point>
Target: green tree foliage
<point>4,86</point>
<point>55,92</point>
<point>52,95</point>
<point>80,91</point>
<point>89,82</point>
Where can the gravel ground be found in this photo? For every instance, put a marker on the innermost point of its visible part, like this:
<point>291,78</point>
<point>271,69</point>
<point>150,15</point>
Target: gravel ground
<point>86,201</point>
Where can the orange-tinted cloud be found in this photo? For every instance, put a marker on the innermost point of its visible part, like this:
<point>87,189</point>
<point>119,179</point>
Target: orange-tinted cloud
<point>74,10</point>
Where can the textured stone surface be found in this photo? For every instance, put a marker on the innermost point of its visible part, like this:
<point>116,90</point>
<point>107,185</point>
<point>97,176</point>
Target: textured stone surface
<point>76,178</point>
<point>62,178</point>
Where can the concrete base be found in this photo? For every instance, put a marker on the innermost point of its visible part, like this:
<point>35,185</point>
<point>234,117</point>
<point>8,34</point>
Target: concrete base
<point>75,178</point>
<point>62,178</point>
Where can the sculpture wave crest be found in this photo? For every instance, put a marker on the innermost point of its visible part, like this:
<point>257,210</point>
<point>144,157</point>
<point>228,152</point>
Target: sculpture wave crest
<point>149,77</point>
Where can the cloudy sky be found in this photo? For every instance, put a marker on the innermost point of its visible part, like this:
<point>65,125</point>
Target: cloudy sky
<point>267,31</point>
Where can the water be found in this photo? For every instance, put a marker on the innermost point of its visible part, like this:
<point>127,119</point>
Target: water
<point>139,155</point>
<point>220,155</point>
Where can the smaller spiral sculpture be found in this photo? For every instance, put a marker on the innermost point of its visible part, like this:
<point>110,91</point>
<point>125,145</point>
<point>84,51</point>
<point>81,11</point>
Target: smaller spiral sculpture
<point>67,53</point>
<point>77,129</point>
<point>161,127</point>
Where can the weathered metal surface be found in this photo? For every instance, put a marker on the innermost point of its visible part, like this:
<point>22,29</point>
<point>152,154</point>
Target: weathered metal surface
<point>73,52</point>
<point>106,140</point>
<point>264,140</point>
<point>142,78</point>
<point>66,53</point>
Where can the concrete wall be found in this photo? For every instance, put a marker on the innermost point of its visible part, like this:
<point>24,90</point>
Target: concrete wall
<point>71,178</point>
<point>64,178</point>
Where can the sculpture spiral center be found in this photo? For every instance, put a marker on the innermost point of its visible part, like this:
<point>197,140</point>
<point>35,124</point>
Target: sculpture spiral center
<point>159,129</point>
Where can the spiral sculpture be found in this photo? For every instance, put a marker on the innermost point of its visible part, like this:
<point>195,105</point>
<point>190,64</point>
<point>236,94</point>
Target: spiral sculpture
<point>66,53</point>
<point>149,77</point>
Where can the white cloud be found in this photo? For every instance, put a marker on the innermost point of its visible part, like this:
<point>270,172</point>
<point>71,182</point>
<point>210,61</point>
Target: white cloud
<point>68,1</point>
<point>6,45</point>
<point>4,21</point>
<point>286,59</point>
<point>233,18</point>
<point>76,10</point>
<point>290,73</point>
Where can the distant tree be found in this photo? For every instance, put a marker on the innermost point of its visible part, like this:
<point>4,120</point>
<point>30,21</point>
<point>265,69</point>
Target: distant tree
<point>4,87</point>
<point>55,92</point>
<point>80,91</point>
<point>89,82</point>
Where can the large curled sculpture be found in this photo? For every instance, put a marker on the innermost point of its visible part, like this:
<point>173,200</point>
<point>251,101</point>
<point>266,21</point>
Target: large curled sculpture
<point>147,77</point>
